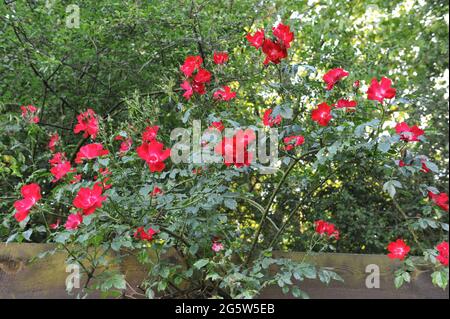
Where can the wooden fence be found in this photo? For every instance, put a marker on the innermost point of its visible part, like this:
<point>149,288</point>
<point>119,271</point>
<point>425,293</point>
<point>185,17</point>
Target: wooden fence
<point>45,278</point>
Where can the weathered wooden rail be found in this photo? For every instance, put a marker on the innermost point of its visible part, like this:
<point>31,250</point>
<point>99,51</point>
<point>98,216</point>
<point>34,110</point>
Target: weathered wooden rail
<point>46,278</point>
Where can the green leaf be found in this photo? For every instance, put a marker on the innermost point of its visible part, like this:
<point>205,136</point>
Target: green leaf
<point>201,263</point>
<point>398,281</point>
<point>230,203</point>
<point>440,278</point>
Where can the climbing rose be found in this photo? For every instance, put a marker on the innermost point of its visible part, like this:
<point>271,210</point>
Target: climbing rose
<point>73,221</point>
<point>31,195</point>
<point>217,125</point>
<point>346,104</point>
<point>293,141</point>
<point>191,64</point>
<point>322,227</point>
<point>23,207</point>
<point>55,225</point>
<point>32,191</point>
<point>144,235</point>
<point>322,114</point>
<point>88,123</point>
<point>188,91</point>
<point>425,168</point>
<point>268,120</point>
<point>60,170</point>
<point>28,113</point>
<point>202,76</point>
<point>125,145</point>
<point>440,200</point>
<point>220,57</point>
<point>333,76</point>
<point>408,134</point>
<point>90,151</point>
<point>274,52</point>
<point>89,199</point>
<point>150,133</point>
<point>224,94</point>
<point>53,141</point>
<point>60,166</point>
<point>283,33</point>
<point>398,249</point>
<point>234,150</point>
<point>216,246</point>
<point>154,154</point>
<point>156,191</point>
<point>442,248</point>
<point>356,84</point>
<point>199,87</point>
<point>378,91</point>
<point>257,39</point>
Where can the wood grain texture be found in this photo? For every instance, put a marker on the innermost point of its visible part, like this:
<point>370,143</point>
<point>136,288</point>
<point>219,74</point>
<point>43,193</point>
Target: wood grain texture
<point>46,278</point>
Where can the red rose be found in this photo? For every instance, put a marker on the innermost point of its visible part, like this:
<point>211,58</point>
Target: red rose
<point>31,195</point>
<point>380,91</point>
<point>144,235</point>
<point>29,113</point>
<point>191,64</point>
<point>324,228</point>
<point>234,150</point>
<point>220,57</point>
<point>150,133</point>
<point>274,52</point>
<point>257,39</point>
<point>89,199</point>
<point>156,191</point>
<point>88,123</point>
<point>333,76</point>
<point>217,125</point>
<point>293,141</point>
<point>154,154</point>
<point>398,249</point>
<point>188,91</point>
<point>53,141</point>
<point>346,104</point>
<point>32,191</point>
<point>23,208</point>
<point>125,146</point>
<point>268,120</point>
<point>408,134</point>
<point>224,94</point>
<point>73,221</point>
<point>440,200</point>
<point>322,115</point>
<point>60,166</point>
<point>90,151</point>
<point>55,225</point>
<point>202,76</point>
<point>442,248</point>
<point>283,33</point>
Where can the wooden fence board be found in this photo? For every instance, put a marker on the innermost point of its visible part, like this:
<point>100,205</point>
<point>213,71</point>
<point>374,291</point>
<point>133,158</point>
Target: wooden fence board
<point>46,278</point>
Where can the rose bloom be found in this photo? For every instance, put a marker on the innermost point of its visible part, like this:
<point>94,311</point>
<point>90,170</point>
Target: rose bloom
<point>398,249</point>
<point>220,57</point>
<point>378,91</point>
<point>322,114</point>
<point>73,221</point>
<point>334,76</point>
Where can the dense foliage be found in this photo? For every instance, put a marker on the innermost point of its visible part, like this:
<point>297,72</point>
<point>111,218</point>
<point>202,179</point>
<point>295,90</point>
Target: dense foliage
<point>350,180</point>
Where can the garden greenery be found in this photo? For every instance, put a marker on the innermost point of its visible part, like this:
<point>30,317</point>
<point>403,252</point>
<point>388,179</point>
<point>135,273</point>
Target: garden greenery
<point>355,92</point>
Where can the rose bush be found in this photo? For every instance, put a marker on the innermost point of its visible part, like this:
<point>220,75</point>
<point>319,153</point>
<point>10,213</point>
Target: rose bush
<point>116,190</point>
